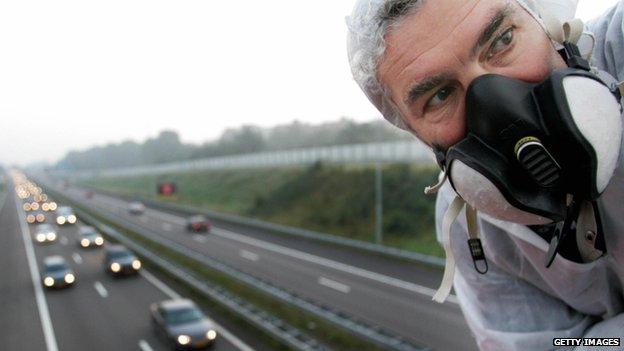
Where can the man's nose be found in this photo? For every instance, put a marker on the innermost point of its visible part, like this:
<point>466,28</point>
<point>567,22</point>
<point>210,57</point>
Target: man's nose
<point>474,71</point>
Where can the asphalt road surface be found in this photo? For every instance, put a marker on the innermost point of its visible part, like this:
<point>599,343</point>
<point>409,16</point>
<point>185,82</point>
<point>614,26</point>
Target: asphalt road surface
<point>98,313</point>
<point>393,294</point>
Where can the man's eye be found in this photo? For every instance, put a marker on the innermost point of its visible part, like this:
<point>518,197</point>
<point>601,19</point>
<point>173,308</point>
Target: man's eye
<point>440,96</point>
<point>501,43</point>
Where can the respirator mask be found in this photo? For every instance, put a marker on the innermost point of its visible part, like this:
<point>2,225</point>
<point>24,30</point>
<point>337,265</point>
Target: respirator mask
<point>534,152</point>
<point>529,146</point>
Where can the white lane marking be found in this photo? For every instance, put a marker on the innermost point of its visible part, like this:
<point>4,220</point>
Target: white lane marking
<point>100,289</point>
<point>159,284</point>
<point>77,258</point>
<point>199,238</point>
<point>145,346</point>
<point>381,278</point>
<point>166,216</point>
<point>166,226</point>
<point>4,200</point>
<point>63,240</point>
<point>343,288</point>
<point>238,343</point>
<point>42,305</point>
<point>248,255</point>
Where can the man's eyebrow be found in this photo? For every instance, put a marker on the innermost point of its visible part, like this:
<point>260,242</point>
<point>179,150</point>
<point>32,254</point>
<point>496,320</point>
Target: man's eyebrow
<point>432,82</point>
<point>488,31</point>
<point>424,86</point>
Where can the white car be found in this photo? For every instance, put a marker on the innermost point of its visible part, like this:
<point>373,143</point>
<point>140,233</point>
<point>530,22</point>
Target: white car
<point>45,233</point>
<point>136,208</point>
<point>65,215</point>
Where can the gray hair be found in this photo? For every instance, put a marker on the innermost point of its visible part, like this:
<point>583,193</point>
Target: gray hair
<point>369,23</point>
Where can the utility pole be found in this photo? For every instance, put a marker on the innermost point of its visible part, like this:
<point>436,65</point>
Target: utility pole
<point>378,204</point>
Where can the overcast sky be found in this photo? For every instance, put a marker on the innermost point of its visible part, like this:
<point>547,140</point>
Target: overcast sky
<point>78,73</point>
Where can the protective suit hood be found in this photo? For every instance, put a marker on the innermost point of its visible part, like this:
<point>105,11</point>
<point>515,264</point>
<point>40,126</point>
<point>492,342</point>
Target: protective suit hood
<point>364,32</point>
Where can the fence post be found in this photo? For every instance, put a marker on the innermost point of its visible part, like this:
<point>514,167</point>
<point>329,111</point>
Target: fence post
<point>378,204</point>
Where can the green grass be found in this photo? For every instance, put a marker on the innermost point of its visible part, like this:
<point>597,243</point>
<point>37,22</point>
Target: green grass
<point>339,200</point>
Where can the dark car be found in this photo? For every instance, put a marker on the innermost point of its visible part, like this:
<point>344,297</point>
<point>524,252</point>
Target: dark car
<point>183,324</point>
<point>89,237</point>
<point>56,273</point>
<point>118,260</point>
<point>198,224</point>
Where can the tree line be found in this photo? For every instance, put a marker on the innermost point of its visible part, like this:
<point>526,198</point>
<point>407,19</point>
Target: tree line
<point>167,146</point>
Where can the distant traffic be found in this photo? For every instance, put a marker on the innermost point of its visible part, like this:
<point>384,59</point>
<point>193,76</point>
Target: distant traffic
<point>180,323</point>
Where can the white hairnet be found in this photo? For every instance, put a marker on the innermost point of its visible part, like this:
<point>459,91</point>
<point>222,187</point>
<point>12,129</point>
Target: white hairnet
<point>365,43</point>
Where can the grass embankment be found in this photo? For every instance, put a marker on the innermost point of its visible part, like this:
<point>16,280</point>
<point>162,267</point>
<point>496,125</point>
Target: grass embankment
<point>338,200</point>
<point>325,332</point>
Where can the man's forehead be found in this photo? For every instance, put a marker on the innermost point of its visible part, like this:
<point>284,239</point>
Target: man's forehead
<point>411,45</point>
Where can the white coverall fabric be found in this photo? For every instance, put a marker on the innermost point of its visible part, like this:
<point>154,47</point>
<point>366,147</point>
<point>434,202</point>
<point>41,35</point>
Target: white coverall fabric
<point>521,305</point>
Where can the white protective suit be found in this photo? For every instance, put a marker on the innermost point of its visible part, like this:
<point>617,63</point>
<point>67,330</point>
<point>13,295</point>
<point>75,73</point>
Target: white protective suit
<point>519,304</point>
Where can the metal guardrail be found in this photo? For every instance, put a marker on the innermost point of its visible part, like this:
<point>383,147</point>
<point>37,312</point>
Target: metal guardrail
<point>288,230</point>
<point>262,320</point>
<point>398,151</point>
<point>372,333</point>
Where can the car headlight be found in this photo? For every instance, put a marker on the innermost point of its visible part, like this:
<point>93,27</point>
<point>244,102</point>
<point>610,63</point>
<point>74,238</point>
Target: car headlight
<point>30,219</point>
<point>211,334</point>
<point>48,281</point>
<point>60,220</point>
<point>99,240</point>
<point>85,242</point>
<point>136,264</point>
<point>41,237</point>
<point>184,339</point>
<point>40,218</point>
<point>71,219</point>
<point>69,278</point>
<point>51,236</point>
<point>115,267</point>
<point>53,206</point>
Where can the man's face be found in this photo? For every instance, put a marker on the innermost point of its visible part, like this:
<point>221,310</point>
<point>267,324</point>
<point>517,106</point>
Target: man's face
<point>434,54</point>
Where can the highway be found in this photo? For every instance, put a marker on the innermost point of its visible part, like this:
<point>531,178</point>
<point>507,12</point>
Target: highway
<point>99,312</point>
<point>396,295</point>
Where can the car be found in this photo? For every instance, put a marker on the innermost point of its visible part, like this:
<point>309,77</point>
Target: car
<point>136,208</point>
<point>45,233</point>
<point>89,237</point>
<point>197,224</point>
<point>28,206</point>
<point>118,260</point>
<point>49,206</point>
<point>35,217</point>
<point>65,215</point>
<point>183,324</point>
<point>56,273</point>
